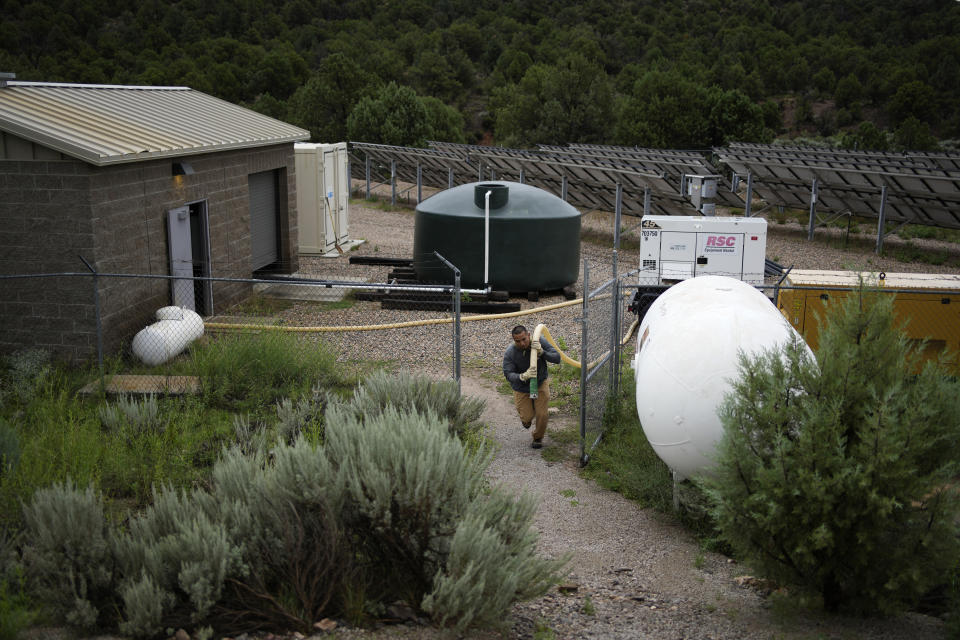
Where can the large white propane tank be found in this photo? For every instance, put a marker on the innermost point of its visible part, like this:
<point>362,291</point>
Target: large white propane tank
<point>686,357</point>
<point>174,330</point>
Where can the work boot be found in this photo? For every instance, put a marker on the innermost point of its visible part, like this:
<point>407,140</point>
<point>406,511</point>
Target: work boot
<point>526,425</point>
<point>536,444</point>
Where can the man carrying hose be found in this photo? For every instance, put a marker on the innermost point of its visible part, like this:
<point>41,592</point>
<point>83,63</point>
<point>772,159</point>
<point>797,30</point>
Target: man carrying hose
<point>519,370</point>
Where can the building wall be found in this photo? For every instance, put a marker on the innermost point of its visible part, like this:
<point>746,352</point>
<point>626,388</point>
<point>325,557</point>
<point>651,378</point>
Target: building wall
<point>45,227</point>
<point>115,217</point>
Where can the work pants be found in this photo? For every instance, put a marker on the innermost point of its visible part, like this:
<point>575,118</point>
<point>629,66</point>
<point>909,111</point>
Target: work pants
<point>530,409</point>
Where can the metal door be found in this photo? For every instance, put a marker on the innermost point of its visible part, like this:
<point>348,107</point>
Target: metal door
<point>264,237</point>
<point>181,257</point>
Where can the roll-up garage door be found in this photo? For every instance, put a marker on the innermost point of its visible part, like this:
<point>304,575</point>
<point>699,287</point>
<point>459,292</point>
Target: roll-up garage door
<point>263,218</point>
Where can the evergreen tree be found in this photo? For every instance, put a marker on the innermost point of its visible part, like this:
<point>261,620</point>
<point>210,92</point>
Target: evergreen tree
<point>834,474</point>
<point>396,116</point>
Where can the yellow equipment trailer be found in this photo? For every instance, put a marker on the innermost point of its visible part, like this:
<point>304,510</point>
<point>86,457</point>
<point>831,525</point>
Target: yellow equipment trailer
<point>928,304</point>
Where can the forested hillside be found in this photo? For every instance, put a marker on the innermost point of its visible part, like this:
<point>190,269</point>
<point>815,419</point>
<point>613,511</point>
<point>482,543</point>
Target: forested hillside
<point>883,74</point>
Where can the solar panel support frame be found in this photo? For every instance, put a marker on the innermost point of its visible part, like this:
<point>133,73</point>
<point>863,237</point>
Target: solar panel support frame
<point>813,209</point>
<point>881,218</point>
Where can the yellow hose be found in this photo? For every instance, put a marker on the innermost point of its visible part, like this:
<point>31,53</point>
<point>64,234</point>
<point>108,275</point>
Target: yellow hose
<point>541,329</point>
<point>395,325</point>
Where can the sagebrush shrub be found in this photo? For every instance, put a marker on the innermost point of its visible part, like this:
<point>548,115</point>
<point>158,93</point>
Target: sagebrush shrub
<point>492,563</point>
<point>387,506</point>
<point>408,480</point>
<point>141,415</point>
<point>68,553</point>
<point>420,393</point>
<point>836,474</point>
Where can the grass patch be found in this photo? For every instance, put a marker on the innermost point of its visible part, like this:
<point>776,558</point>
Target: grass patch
<point>383,204</point>
<point>259,304</point>
<point>628,242</point>
<point>624,461</point>
<point>124,447</point>
<point>924,232</point>
<point>910,252</point>
<point>249,371</point>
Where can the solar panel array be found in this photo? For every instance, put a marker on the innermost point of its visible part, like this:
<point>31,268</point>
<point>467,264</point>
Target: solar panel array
<point>674,164</point>
<point>586,177</point>
<point>921,188</point>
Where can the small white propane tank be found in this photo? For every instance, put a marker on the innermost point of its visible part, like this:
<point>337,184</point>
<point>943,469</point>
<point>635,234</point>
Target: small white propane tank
<point>174,330</point>
<point>687,354</point>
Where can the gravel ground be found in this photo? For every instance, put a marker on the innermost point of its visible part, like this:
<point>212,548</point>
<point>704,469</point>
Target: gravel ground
<point>634,573</point>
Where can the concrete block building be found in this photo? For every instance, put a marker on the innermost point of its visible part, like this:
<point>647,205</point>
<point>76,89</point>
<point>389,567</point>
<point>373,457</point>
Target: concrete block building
<point>138,181</point>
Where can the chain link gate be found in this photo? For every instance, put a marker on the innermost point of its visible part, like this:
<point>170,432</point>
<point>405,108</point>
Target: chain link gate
<point>599,357</point>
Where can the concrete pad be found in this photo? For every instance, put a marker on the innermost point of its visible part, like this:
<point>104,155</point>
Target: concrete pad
<point>295,291</point>
<point>347,247</point>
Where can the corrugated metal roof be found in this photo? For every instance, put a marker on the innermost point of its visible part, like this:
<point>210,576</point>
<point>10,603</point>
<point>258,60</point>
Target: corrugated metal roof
<point>110,124</point>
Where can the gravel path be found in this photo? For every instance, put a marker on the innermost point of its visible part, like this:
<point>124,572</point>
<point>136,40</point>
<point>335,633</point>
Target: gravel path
<point>634,573</point>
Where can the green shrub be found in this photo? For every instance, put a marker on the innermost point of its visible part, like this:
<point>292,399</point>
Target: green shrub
<point>16,614</point>
<point>409,392</point>
<point>9,448</point>
<point>26,371</point>
<point>835,474</point>
<point>68,554</point>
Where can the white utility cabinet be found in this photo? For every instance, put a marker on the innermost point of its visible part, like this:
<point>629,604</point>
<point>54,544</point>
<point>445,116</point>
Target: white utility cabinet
<point>323,197</point>
<point>674,248</point>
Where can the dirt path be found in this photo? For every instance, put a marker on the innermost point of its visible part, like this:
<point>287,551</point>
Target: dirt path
<point>635,573</point>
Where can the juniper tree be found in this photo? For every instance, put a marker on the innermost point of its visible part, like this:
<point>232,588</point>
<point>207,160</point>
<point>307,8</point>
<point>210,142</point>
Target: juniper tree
<point>835,474</point>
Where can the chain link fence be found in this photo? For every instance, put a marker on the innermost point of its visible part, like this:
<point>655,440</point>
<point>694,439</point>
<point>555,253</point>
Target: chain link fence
<point>929,315</point>
<point>105,315</point>
<point>126,322</point>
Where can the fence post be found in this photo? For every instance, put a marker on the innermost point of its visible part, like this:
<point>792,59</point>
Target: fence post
<point>813,209</point>
<point>96,311</point>
<point>456,317</point>
<point>584,359</point>
<point>393,183</point>
<point>367,169</point>
<point>615,329</point>
<point>419,183</point>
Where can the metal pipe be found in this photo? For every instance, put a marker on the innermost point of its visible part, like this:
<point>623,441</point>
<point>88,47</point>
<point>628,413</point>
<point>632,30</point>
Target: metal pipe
<point>584,351</point>
<point>748,211</point>
<point>96,310</point>
<point>456,317</point>
<point>486,239</point>
<point>419,183</point>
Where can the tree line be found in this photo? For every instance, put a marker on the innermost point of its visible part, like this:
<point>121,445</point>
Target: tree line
<point>880,75</point>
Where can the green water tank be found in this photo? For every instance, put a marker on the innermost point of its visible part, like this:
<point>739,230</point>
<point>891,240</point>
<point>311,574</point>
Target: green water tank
<point>534,237</point>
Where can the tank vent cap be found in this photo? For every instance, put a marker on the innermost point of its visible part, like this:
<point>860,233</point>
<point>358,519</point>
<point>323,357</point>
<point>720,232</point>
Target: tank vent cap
<point>498,198</point>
